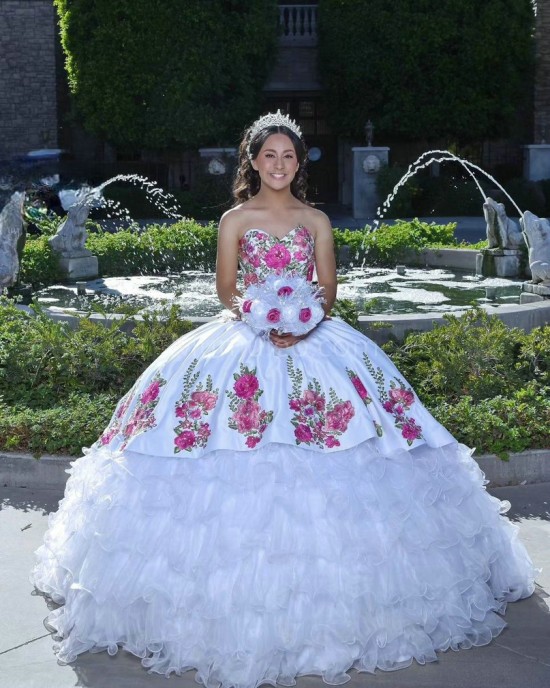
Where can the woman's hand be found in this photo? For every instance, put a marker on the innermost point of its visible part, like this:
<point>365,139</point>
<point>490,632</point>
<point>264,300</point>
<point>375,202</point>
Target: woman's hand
<point>283,341</point>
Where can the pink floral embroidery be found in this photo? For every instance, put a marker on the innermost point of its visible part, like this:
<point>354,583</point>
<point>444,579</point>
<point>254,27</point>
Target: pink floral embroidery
<point>193,405</point>
<point>114,426</point>
<point>397,400</point>
<point>262,253</point>
<point>248,417</point>
<point>277,257</point>
<point>142,417</point>
<point>315,421</point>
<point>364,396</point>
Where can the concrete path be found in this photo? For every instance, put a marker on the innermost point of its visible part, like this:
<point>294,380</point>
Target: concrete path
<point>518,658</point>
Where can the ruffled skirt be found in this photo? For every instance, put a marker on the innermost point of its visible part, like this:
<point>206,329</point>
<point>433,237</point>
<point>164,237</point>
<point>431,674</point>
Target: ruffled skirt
<point>260,566</point>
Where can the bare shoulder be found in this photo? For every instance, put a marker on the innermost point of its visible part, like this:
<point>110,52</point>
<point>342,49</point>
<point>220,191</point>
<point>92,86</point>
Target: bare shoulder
<point>236,220</point>
<point>318,223</point>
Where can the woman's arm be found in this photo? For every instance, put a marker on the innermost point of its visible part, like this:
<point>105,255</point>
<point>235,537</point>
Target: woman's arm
<point>325,261</point>
<point>227,262</point>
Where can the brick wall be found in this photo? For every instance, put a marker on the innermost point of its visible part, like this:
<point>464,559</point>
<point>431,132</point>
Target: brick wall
<point>542,79</point>
<point>28,107</point>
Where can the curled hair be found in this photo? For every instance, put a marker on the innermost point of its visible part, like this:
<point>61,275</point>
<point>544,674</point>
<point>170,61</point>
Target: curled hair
<point>247,179</point>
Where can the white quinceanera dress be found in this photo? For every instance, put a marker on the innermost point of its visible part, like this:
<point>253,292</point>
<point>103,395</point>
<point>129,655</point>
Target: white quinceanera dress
<point>258,514</point>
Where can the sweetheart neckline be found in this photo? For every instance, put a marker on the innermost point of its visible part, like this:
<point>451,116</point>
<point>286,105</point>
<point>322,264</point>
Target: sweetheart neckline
<point>273,236</point>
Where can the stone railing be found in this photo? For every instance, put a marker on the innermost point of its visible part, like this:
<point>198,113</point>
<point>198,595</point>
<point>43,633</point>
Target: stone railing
<point>298,24</point>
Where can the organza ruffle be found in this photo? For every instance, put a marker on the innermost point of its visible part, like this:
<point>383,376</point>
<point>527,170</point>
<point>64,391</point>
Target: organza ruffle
<point>262,566</point>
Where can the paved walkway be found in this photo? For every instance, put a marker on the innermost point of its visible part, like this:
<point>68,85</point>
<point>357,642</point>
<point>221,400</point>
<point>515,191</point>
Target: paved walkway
<point>519,657</point>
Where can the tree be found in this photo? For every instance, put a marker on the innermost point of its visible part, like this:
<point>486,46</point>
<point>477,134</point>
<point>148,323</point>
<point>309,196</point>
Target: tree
<point>154,73</point>
<point>455,69</point>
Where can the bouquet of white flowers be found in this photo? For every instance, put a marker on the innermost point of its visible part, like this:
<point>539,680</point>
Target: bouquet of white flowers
<point>286,303</point>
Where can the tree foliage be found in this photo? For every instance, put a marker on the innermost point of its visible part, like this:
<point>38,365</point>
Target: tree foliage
<point>453,69</point>
<point>154,73</point>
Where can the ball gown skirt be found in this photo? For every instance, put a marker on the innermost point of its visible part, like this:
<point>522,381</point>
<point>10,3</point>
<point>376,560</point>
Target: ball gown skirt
<point>258,514</point>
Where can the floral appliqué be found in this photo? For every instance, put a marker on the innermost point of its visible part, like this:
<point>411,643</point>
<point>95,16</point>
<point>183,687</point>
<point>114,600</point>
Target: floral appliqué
<point>248,417</point>
<point>114,426</point>
<point>396,400</point>
<point>315,421</point>
<point>364,396</point>
<point>143,416</point>
<point>196,402</point>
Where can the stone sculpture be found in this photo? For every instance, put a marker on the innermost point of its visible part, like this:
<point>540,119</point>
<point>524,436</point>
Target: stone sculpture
<point>502,231</point>
<point>536,231</point>
<point>71,236</point>
<point>12,240</point>
<point>69,241</point>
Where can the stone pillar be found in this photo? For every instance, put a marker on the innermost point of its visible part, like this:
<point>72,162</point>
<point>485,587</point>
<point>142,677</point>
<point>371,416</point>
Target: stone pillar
<point>536,162</point>
<point>367,161</point>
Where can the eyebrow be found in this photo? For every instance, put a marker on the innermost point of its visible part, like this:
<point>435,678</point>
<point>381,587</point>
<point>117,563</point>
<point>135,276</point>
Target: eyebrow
<point>272,150</point>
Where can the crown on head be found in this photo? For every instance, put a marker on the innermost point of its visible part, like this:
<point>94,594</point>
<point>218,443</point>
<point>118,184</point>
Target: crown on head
<point>272,119</point>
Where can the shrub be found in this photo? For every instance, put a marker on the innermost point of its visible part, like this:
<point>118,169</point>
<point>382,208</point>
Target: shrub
<point>475,355</point>
<point>390,243</point>
<point>65,428</point>
<point>39,264</point>
<point>158,248</point>
<point>499,425</point>
<point>42,361</point>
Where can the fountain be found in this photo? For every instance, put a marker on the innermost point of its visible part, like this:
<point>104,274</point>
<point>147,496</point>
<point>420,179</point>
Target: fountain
<point>415,298</point>
<point>506,252</point>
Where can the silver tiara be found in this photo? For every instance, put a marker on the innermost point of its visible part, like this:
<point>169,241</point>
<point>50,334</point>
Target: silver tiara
<point>272,119</point>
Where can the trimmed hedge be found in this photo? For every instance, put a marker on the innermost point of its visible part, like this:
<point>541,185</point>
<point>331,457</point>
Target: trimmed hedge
<point>187,245</point>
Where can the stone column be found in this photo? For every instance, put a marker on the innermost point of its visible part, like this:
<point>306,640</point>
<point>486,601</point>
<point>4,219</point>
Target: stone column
<point>367,161</point>
<point>536,162</point>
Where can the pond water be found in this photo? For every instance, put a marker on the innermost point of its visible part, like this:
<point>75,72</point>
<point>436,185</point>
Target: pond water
<point>374,291</point>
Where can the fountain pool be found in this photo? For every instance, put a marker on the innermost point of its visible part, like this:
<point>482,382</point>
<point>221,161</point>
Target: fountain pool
<point>373,290</point>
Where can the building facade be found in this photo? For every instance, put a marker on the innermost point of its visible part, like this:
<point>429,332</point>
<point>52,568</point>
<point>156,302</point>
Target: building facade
<point>34,105</point>
<point>28,76</point>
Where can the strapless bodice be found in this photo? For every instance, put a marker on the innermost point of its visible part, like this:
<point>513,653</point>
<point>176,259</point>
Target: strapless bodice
<point>262,254</point>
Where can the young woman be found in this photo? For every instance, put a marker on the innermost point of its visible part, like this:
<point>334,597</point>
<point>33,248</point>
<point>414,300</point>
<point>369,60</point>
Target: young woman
<point>260,508</point>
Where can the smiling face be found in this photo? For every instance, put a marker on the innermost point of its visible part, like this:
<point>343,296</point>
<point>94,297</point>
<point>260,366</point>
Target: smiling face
<point>277,162</point>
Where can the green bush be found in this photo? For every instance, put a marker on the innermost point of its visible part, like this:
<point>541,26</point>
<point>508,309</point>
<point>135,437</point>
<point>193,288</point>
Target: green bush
<point>42,362</point>
<point>475,355</point>
<point>499,425</point>
<point>389,244</point>
<point>64,428</point>
<point>39,264</point>
<point>158,248</point>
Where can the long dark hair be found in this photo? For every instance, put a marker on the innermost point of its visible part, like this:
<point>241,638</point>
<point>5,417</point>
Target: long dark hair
<point>247,179</point>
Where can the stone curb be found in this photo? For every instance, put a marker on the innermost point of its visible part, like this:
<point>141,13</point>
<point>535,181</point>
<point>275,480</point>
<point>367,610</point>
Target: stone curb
<point>48,472</point>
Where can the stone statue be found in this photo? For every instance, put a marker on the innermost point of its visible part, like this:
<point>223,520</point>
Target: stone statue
<point>536,231</point>
<point>70,238</point>
<point>502,232</point>
<point>12,240</point>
